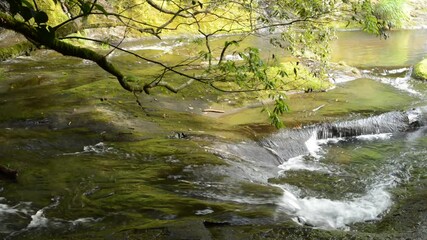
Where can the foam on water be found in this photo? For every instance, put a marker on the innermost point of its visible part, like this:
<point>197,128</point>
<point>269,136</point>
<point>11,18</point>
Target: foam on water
<point>401,83</point>
<point>370,137</point>
<point>398,70</point>
<point>160,47</point>
<point>6,209</point>
<point>310,161</point>
<point>299,163</point>
<point>327,213</point>
<point>331,214</point>
<point>38,218</point>
<point>99,148</point>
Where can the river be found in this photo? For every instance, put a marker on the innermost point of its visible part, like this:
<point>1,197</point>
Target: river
<point>93,164</point>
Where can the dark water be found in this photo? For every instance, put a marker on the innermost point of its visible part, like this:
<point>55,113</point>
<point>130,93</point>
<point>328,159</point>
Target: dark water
<point>92,164</point>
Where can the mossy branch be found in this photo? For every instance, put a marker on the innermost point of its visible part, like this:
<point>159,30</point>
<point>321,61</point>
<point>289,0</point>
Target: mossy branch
<point>42,37</point>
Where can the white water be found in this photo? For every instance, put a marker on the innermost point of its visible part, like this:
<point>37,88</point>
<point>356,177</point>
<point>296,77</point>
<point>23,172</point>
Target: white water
<point>38,220</point>
<point>165,47</point>
<point>99,148</point>
<point>401,83</point>
<point>332,214</point>
<point>8,210</point>
<point>301,162</point>
<point>24,210</point>
<point>380,136</point>
<point>362,194</point>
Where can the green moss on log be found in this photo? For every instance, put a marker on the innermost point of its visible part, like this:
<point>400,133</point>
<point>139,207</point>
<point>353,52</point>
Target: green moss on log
<point>420,70</point>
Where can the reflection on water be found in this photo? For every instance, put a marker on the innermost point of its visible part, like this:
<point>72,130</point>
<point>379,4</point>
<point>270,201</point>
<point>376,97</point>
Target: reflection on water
<point>402,48</point>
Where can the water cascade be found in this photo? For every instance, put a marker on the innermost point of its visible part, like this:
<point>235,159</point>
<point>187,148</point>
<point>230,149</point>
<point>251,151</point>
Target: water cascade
<point>360,196</point>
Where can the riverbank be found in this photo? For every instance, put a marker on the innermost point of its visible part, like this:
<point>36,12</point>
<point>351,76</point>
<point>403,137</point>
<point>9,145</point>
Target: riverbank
<point>417,11</point>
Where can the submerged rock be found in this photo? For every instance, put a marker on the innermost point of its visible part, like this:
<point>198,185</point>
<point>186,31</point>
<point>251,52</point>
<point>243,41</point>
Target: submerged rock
<point>8,173</point>
<point>420,70</point>
<point>341,72</point>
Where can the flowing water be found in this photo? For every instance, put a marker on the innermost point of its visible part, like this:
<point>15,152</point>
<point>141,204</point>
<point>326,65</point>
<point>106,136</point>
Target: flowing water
<point>92,164</point>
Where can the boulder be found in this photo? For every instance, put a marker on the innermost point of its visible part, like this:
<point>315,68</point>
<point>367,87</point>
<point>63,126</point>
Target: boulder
<point>341,72</point>
<point>420,70</point>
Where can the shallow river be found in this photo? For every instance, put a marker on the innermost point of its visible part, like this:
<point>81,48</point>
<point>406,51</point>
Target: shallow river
<point>93,164</point>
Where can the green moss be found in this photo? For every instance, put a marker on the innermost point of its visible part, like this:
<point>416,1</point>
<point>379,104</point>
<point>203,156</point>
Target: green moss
<point>297,77</point>
<point>288,76</point>
<point>420,70</point>
<point>320,184</point>
<point>56,15</point>
<point>352,97</point>
<point>391,11</point>
<point>183,25</point>
<point>23,48</point>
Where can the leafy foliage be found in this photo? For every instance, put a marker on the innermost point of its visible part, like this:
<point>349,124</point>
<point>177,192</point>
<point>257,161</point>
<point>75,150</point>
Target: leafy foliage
<point>28,11</point>
<point>391,12</point>
<point>303,27</point>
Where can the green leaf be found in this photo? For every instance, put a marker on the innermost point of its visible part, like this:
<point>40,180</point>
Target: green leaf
<point>41,17</point>
<point>101,8</point>
<point>26,13</point>
<point>85,7</point>
<point>283,73</point>
<point>28,4</point>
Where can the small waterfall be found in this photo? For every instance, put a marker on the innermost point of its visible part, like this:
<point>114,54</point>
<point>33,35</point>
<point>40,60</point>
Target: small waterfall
<point>306,146</point>
<point>384,123</point>
<point>288,144</point>
<point>302,151</point>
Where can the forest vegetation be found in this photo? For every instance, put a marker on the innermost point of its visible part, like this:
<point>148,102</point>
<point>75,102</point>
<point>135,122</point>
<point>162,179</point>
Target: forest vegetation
<point>304,28</point>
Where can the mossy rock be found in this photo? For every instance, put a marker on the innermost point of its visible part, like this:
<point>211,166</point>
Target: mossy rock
<point>420,70</point>
<point>23,48</point>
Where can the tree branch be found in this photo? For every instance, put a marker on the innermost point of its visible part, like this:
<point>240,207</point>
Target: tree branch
<point>169,68</point>
<point>64,48</point>
<point>167,86</point>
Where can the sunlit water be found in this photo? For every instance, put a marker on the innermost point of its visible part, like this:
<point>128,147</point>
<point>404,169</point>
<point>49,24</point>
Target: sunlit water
<point>78,179</point>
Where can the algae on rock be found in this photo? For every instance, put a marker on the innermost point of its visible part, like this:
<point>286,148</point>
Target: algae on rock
<point>420,70</point>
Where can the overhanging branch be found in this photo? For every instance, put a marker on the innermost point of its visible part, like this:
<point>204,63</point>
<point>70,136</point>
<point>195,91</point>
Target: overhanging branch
<point>39,36</point>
